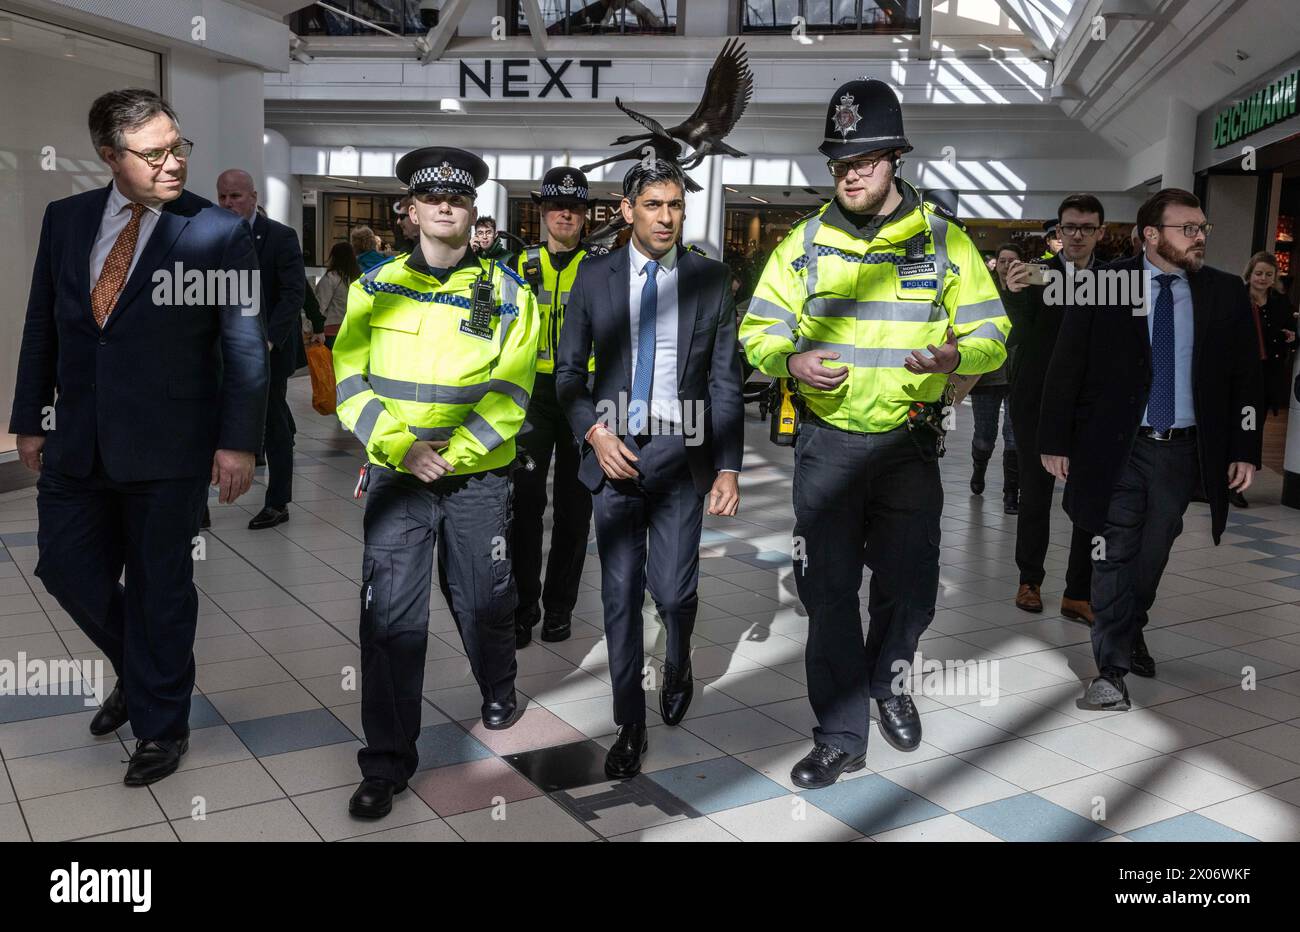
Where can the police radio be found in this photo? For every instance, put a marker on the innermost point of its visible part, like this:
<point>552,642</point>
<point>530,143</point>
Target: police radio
<point>785,412</point>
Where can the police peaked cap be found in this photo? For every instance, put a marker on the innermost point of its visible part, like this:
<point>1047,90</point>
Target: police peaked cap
<point>563,185</point>
<point>441,170</point>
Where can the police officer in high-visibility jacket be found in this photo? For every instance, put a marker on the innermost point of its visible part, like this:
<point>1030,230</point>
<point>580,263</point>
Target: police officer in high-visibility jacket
<point>434,363</point>
<point>550,270</point>
<point>869,304</point>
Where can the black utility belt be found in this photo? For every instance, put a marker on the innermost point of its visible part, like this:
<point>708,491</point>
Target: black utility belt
<point>844,430</point>
<point>1173,433</point>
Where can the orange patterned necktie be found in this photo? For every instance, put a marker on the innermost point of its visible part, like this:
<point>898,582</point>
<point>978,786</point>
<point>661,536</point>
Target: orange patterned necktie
<point>112,278</point>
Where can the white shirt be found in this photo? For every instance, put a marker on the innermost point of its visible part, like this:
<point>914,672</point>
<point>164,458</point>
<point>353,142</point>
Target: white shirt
<point>117,214</point>
<point>663,390</point>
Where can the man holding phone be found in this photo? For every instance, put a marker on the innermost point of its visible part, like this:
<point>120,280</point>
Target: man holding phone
<point>1036,323</point>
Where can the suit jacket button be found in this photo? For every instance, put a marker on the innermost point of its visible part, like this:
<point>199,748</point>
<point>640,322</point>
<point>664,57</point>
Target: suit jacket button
<point>103,341</point>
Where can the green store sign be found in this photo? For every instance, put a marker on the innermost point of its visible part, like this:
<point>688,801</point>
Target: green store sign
<point>1268,105</point>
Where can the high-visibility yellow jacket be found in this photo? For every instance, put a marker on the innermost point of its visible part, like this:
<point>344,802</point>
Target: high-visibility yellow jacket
<point>552,295</point>
<point>873,302</point>
<point>412,363</point>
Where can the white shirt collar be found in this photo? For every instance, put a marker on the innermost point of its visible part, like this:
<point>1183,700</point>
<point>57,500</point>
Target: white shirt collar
<point>117,201</point>
<point>1147,264</point>
<point>639,259</point>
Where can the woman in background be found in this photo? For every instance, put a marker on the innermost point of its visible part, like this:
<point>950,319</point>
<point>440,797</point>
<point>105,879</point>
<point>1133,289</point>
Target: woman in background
<point>341,270</point>
<point>1275,335</point>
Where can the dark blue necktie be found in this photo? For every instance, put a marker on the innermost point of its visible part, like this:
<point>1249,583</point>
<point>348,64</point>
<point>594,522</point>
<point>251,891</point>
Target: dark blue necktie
<point>644,376</point>
<point>1160,406</point>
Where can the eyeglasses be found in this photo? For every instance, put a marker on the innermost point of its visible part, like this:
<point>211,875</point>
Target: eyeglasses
<point>1189,229</point>
<point>1074,229</point>
<point>864,166</point>
<point>156,158</point>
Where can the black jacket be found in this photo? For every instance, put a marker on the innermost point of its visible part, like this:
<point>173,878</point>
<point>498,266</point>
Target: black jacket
<point>162,386</point>
<point>708,367</point>
<point>1275,317</point>
<point>1034,327</point>
<point>284,280</point>
<point>1100,376</point>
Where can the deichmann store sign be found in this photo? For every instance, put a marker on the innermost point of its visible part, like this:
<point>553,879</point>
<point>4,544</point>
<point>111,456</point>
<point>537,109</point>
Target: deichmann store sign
<point>1268,105</point>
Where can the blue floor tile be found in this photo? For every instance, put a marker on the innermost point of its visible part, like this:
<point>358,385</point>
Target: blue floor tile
<point>1289,564</point>
<point>1029,817</point>
<point>873,804</point>
<point>447,744</point>
<point>4,556</point>
<point>764,558</point>
<point>1277,550</point>
<point>714,785</point>
<point>295,731</point>
<point>19,539</point>
<point>1255,533</point>
<point>1190,826</point>
<point>1291,582</point>
<point>23,708</point>
<point>1236,517</point>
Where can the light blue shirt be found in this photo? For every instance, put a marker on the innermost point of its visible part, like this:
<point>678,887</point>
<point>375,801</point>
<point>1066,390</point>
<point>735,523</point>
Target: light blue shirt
<point>663,390</point>
<point>1184,410</point>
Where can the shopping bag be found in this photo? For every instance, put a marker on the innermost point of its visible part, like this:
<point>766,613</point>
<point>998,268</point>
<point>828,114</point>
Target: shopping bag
<point>320,362</point>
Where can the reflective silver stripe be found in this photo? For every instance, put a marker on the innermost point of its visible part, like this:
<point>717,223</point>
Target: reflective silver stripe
<point>810,250</point>
<point>969,313</point>
<point>352,385</point>
<point>917,312</point>
<point>367,419</point>
<point>861,357</point>
<point>779,329</point>
<point>543,354</point>
<point>424,393</point>
<point>483,432</point>
<point>510,390</point>
<point>939,232</point>
<point>988,331</point>
<point>508,294</point>
<point>544,296</point>
<point>432,433</point>
<point>759,307</point>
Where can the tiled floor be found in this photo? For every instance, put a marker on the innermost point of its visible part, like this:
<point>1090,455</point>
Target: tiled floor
<point>1211,751</point>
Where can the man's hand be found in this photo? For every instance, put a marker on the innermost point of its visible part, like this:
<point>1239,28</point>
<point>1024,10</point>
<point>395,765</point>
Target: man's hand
<point>1017,276</point>
<point>232,473</point>
<point>807,368</point>
<point>29,450</point>
<point>1290,335</point>
<point>613,455</point>
<point>1058,466</point>
<point>423,461</point>
<point>942,359</point>
<point>1240,476</point>
<point>318,339</point>
<point>724,497</point>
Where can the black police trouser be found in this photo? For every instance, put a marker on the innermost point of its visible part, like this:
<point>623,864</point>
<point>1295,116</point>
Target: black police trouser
<point>468,518</point>
<point>872,497</point>
<point>280,429</point>
<point>1034,523</point>
<point>1144,519</point>
<point>648,535</point>
<point>545,430</point>
<point>93,528</point>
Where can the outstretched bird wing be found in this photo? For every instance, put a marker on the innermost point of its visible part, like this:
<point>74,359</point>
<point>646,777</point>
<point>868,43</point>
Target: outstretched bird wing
<point>649,123</point>
<point>727,91</point>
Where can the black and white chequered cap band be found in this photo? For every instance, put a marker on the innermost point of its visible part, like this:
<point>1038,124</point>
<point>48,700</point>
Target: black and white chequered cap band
<point>442,177</point>
<point>564,191</point>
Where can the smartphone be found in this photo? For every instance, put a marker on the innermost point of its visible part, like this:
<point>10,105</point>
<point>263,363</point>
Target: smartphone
<point>1037,273</point>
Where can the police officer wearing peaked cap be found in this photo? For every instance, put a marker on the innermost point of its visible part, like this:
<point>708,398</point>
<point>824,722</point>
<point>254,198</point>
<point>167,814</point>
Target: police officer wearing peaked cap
<point>874,270</point>
<point>550,268</point>
<point>434,362</point>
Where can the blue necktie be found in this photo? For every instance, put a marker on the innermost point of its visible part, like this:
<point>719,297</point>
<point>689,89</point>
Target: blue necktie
<point>1160,405</point>
<point>644,376</point>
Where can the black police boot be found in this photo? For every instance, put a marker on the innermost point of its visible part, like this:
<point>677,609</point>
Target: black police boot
<point>1141,662</point>
<point>500,713</point>
<point>1010,482</point>
<point>981,459</point>
<point>524,621</point>
<point>623,760</point>
<point>374,798</point>
<point>900,722</point>
<point>823,765</point>
<point>556,626</point>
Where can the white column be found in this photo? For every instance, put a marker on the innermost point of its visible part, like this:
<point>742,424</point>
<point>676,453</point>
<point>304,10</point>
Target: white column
<point>493,202</point>
<point>704,210</point>
<point>242,120</point>
<point>277,181</point>
<point>1180,145</point>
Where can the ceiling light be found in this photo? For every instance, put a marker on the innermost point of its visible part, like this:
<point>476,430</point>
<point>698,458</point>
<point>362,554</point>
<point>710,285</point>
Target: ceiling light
<point>755,197</point>
<point>69,46</point>
<point>6,30</point>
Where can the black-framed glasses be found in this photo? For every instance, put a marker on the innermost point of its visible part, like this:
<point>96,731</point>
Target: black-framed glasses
<point>863,166</point>
<point>156,158</point>
<point>1190,229</point>
<point>1075,229</point>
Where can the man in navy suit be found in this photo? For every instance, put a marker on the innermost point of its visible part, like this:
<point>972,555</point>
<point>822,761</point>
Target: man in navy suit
<point>662,429</point>
<point>142,378</point>
<point>284,283</point>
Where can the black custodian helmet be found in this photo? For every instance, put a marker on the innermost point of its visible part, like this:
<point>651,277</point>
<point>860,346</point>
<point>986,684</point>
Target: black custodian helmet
<point>863,116</point>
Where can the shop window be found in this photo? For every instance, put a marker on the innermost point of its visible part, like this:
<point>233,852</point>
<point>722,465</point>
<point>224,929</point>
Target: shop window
<point>404,17</point>
<point>889,17</point>
<point>599,17</point>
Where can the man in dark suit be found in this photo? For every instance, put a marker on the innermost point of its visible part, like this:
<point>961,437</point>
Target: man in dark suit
<point>1035,324</point>
<point>284,283</point>
<point>662,429</point>
<point>142,314</point>
<point>1140,404</point>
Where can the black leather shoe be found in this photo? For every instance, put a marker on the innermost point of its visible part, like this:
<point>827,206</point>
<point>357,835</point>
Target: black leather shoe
<point>154,760</point>
<point>268,517</point>
<point>501,713</point>
<point>374,798</point>
<point>206,520</point>
<point>624,758</point>
<point>900,723</point>
<point>1011,503</point>
<point>1141,662</point>
<point>675,694</point>
<point>1108,691</point>
<point>111,715</point>
<point>1237,498</point>
<point>555,627</point>
<point>524,622</point>
<point>977,477</point>
<point>823,766</point>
